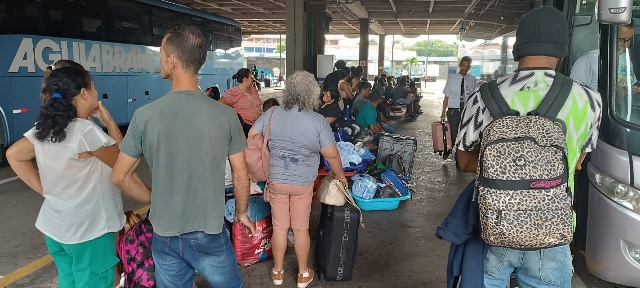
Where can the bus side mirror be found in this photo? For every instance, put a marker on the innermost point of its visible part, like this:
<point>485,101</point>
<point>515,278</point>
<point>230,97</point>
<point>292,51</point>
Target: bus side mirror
<point>615,12</point>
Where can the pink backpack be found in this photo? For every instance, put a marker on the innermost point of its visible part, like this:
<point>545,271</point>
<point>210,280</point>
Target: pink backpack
<point>134,250</point>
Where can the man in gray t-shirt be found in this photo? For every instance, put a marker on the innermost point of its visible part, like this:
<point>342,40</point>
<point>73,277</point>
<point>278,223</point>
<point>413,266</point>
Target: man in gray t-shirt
<point>186,138</point>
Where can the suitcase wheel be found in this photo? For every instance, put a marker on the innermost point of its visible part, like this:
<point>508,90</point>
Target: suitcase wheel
<point>321,277</point>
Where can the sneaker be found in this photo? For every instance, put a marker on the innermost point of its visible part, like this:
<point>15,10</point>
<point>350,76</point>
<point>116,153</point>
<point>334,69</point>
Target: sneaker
<point>277,277</point>
<point>305,279</point>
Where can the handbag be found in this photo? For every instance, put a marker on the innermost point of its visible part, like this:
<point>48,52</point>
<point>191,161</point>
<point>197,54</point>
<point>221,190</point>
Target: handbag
<point>257,154</point>
<point>334,192</point>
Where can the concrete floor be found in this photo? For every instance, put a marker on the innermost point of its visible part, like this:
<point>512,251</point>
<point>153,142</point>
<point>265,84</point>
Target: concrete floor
<point>397,249</point>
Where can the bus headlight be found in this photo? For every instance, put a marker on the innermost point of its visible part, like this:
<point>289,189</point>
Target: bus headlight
<point>623,194</point>
<point>634,253</point>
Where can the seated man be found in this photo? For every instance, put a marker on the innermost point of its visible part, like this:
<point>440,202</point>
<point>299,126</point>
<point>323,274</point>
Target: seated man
<point>401,97</point>
<point>367,117</point>
<point>363,97</point>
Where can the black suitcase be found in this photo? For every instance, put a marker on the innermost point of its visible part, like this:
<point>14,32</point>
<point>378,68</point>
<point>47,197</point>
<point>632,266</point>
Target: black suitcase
<point>337,244</point>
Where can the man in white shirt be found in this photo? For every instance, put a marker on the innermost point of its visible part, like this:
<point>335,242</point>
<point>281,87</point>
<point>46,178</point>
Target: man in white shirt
<point>585,69</point>
<point>456,92</point>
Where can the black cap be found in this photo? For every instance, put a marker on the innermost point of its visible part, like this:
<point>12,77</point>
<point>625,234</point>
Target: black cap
<point>542,32</point>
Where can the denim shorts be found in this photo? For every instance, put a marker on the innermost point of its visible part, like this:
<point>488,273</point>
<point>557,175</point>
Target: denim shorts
<point>544,268</point>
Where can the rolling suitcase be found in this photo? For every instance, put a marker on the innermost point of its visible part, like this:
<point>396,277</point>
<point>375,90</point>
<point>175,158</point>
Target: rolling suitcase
<point>401,145</point>
<point>441,134</point>
<point>337,244</point>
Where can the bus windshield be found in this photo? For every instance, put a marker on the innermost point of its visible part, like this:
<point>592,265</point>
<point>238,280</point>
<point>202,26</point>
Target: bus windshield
<point>626,104</point>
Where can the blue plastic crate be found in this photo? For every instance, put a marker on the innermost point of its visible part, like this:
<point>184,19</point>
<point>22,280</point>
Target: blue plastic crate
<point>379,204</point>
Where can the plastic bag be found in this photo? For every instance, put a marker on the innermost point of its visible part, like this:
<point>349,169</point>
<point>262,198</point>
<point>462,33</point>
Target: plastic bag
<point>258,208</point>
<point>251,249</point>
<point>386,191</point>
<point>364,186</point>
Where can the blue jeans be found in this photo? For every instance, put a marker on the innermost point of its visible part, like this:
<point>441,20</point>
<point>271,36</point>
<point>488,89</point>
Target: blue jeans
<point>389,128</point>
<point>544,268</point>
<point>211,254</point>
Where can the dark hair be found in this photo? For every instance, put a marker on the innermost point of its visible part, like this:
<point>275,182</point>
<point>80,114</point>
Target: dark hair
<point>375,96</point>
<point>340,64</point>
<point>364,85</point>
<point>47,71</point>
<point>58,111</point>
<point>375,79</point>
<point>345,72</point>
<point>213,92</point>
<point>189,45</point>
<point>242,74</point>
<point>465,59</point>
<point>271,102</point>
<point>382,81</point>
<point>383,75</point>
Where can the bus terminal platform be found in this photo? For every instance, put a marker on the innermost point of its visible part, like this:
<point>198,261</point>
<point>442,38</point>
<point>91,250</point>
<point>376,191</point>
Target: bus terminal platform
<point>396,249</point>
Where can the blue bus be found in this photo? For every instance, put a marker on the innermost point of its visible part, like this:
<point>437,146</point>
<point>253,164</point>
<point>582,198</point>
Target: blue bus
<point>116,40</point>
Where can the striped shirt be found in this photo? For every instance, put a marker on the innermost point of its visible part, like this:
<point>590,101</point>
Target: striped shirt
<point>248,105</point>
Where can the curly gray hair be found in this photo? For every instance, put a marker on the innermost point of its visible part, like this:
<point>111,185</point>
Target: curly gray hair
<point>301,89</point>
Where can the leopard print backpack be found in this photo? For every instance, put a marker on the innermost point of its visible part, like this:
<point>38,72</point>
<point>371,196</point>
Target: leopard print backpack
<point>522,183</point>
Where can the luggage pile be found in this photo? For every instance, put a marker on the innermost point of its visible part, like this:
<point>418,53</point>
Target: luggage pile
<point>376,185</point>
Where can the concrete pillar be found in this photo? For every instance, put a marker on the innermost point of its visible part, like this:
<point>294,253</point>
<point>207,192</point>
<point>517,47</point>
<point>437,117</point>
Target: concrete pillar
<point>381,55</point>
<point>503,56</point>
<point>364,44</point>
<point>295,36</point>
<point>316,22</point>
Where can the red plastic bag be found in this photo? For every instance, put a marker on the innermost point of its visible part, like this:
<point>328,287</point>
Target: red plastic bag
<point>256,248</point>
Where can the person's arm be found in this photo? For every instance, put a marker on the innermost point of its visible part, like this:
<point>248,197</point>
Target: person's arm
<point>20,157</point>
<point>123,176</point>
<point>103,115</point>
<point>241,190</point>
<point>445,104</point>
<point>469,134</point>
<point>230,98</point>
<point>332,156</point>
<point>331,120</point>
<point>122,172</point>
<point>468,160</point>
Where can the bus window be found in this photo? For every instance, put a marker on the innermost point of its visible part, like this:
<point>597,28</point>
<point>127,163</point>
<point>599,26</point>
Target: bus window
<point>28,17</point>
<point>128,22</point>
<point>64,21</point>
<point>163,19</point>
<point>584,34</point>
<point>627,96</point>
<point>5,20</point>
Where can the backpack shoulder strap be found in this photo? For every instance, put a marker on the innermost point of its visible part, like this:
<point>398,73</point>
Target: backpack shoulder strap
<point>556,97</point>
<point>494,101</point>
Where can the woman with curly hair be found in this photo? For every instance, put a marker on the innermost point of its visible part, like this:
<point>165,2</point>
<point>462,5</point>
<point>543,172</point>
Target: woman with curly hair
<point>82,209</point>
<point>297,137</point>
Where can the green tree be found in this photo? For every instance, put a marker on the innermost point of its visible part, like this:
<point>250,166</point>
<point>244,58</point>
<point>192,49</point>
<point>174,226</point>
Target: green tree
<point>409,64</point>
<point>434,48</point>
<point>373,42</point>
<point>281,48</point>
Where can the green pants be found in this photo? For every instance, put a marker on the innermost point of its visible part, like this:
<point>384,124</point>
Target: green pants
<point>86,264</point>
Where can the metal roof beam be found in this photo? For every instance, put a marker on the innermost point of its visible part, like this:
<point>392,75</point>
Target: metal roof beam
<point>433,2</point>
<point>215,6</point>
<point>252,6</point>
<point>277,3</point>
